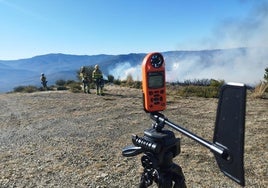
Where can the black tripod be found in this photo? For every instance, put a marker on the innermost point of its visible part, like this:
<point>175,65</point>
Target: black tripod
<point>159,147</point>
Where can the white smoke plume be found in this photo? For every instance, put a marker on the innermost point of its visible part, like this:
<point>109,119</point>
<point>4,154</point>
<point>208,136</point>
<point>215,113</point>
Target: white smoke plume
<point>250,32</point>
<point>246,65</point>
<point>122,70</point>
<point>234,65</point>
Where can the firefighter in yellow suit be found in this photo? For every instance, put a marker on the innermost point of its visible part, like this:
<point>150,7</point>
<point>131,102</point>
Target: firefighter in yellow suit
<point>85,80</point>
<point>98,79</point>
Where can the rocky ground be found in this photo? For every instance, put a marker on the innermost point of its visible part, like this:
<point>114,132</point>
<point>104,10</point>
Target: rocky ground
<point>63,139</point>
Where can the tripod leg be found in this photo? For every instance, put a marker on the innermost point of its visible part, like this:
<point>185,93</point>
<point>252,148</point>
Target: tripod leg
<point>165,181</point>
<point>142,183</point>
<point>178,176</point>
<point>145,180</point>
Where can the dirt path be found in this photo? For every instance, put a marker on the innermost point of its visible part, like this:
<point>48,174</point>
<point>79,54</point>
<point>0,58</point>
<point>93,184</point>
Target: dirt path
<point>62,139</point>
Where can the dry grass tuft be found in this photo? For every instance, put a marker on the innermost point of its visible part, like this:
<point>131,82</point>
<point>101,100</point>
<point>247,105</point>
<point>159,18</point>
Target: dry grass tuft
<point>260,89</point>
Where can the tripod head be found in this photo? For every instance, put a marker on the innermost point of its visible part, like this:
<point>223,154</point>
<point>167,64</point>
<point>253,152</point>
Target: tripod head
<point>159,147</point>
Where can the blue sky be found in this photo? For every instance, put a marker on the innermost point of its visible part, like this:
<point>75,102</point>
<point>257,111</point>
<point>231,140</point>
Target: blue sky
<point>90,27</point>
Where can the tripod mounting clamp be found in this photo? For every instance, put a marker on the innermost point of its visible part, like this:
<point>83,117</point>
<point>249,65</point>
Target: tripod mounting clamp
<point>159,123</point>
<point>161,120</point>
<point>159,147</point>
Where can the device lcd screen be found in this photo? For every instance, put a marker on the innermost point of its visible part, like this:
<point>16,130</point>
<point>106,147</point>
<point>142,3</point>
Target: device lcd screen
<point>156,79</point>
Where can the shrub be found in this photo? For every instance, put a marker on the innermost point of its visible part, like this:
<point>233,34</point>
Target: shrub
<point>210,91</point>
<point>19,89</point>
<point>31,89</point>
<point>110,78</point>
<point>198,91</point>
<point>117,81</point>
<point>137,84</point>
<point>265,76</point>
<point>75,87</point>
<point>60,88</point>
<point>68,82</point>
<point>26,89</point>
<point>216,83</point>
<point>60,82</point>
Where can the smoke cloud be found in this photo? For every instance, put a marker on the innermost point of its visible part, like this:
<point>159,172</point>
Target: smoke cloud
<point>235,65</point>
<point>250,32</point>
<point>244,58</point>
<point>122,70</point>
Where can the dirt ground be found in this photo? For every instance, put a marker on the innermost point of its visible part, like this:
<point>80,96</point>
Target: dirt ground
<point>63,139</point>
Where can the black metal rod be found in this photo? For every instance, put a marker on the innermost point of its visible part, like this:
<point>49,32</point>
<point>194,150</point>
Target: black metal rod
<point>213,147</point>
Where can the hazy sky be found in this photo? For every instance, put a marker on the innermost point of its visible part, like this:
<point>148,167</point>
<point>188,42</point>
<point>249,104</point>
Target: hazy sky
<point>89,27</point>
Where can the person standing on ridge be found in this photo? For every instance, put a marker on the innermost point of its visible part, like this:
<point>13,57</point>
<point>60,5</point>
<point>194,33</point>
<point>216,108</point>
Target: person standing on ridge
<point>43,81</point>
<point>85,80</point>
<point>98,79</point>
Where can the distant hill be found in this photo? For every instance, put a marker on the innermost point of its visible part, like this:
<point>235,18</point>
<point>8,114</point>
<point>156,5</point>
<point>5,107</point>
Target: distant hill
<point>235,64</point>
<point>55,66</point>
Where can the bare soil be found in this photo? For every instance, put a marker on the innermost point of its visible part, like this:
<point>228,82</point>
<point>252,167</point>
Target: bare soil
<point>63,139</point>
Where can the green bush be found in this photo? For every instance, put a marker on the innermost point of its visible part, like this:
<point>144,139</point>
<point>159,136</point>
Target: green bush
<point>75,87</point>
<point>198,91</point>
<point>117,81</point>
<point>60,88</point>
<point>68,82</point>
<point>60,82</point>
<point>26,89</point>
<point>207,91</point>
<point>265,76</point>
<point>137,84</point>
<point>19,89</point>
<point>216,83</point>
<point>110,78</point>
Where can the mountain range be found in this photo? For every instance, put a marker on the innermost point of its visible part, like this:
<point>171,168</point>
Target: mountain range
<point>180,65</point>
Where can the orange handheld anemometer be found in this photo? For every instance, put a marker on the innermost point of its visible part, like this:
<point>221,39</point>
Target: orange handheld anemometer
<point>153,83</point>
